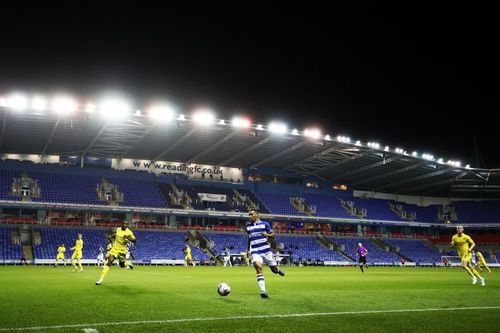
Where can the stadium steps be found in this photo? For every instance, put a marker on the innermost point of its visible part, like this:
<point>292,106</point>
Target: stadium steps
<point>344,205</point>
<point>325,241</point>
<point>28,251</point>
<point>381,244</point>
<point>201,242</point>
<point>431,245</point>
<point>337,248</point>
<point>389,248</point>
<point>15,237</point>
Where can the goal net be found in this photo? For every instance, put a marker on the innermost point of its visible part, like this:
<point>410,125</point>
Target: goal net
<point>451,260</point>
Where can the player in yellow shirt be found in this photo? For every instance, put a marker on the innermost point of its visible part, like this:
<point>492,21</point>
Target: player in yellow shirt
<point>119,249</point>
<point>108,247</point>
<point>464,245</point>
<point>480,261</point>
<point>77,254</point>
<point>61,250</point>
<point>188,258</point>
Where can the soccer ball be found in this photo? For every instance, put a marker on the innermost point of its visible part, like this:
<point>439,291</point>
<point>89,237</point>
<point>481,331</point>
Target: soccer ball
<point>223,289</point>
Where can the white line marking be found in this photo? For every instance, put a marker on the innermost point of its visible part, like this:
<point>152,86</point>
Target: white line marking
<point>289,315</point>
<point>90,330</point>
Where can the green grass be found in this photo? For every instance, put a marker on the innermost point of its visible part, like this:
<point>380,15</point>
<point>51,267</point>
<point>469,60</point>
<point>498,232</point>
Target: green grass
<point>47,296</point>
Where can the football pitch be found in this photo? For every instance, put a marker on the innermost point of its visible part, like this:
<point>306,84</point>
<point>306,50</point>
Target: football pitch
<point>307,299</point>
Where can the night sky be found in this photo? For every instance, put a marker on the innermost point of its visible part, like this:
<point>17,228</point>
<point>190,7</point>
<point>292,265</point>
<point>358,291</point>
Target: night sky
<point>423,78</point>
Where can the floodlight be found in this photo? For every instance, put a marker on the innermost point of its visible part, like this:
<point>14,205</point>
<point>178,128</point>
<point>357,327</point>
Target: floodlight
<point>313,133</point>
<point>39,103</point>
<point>222,122</point>
<point>414,154</point>
<point>64,105</point>
<point>428,157</point>
<point>259,127</point>
<point>240,122</point>
<point>328,138</point>
<point>114,108</point>
<point>358,143</point>
<point>295,132</point>
<point>278,128</point>
<point>17,102</point>
<point>204,117</point>
<point>162,112</point>
<point>90,108</point>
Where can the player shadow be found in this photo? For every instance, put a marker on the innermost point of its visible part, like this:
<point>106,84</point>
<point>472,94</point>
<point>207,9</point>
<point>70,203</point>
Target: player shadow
<point>230,301</point>
<point>123,289</point>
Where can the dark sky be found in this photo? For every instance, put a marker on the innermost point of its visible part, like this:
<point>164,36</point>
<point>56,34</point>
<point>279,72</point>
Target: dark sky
<point>424,78</point>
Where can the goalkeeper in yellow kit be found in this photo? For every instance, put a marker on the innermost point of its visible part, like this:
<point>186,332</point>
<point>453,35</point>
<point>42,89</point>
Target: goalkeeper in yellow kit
<point>465,245</point>
<point>77,254</point>
<point>119,249</point>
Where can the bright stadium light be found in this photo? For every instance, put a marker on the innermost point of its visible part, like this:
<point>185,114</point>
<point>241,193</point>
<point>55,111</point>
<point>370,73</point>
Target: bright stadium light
<point>386,148</point>
<point>240,122</point>
<point>3,102</point>
<point>467,166</point>
<point>90,108</point>
<point>162,112</point>
<point>454,163</point>
<point>222,122</point>
<point>358,143</point>
<point>373,145</point>
<point>312,133</point>
<point>204,117</point>
<point>328,137</point>
<point>414,154</point>
<point>399,150</point>
<point>64,105</point>
<point>295,132</point>
<point>39,103</point>
<point>344,139</point>
<point>259,127</point>
<point>428,157</point>
<point>17,102</point>
<point>181,117</point>
<point>114,108</point>
<point>278,128</point>
<point>440,161</point>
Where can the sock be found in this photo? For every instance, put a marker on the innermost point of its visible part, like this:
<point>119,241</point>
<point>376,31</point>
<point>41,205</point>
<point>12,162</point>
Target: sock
<point>469,271</point>
<point>105,271</point>
<point>361,267</point>
<point>261,282</point>
<point>74,263</point>
<point>476,273</point>
<point>80,264</point>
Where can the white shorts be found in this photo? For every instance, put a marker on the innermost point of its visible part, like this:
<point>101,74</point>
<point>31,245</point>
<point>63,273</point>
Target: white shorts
<point>267,258</point>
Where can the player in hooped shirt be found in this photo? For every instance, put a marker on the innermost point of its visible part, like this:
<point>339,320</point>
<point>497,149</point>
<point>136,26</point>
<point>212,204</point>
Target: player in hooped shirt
<point>260,252</point>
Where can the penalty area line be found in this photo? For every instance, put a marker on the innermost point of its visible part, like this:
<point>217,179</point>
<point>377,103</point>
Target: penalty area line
<point>286,315</point>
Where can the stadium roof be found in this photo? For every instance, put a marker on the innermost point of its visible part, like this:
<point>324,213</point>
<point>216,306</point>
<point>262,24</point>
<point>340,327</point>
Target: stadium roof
<point>141,137</point>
